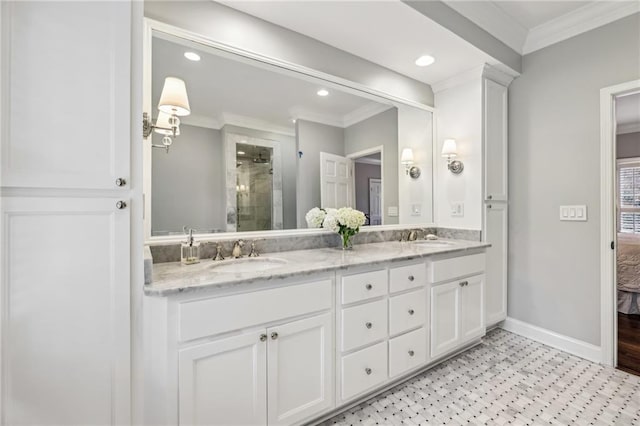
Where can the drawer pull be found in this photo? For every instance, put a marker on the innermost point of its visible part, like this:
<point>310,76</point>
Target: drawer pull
<point>368,371</point>
<point>274,335</point>
<point>411,312</point>
<point>368,286</point>
<point>263,337</point>
<point>411,353</point>
<point>464,283</point>
<point>411,278</point>
<point>368,325</point>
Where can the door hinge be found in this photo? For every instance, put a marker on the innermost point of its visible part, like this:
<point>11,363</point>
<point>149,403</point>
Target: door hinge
<point>613,245</point>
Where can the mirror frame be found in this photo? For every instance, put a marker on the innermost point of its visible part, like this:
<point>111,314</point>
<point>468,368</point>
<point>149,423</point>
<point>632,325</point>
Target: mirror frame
<point>152,27</point>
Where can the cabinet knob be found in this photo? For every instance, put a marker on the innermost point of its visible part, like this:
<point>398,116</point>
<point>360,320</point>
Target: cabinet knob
<point>489,197</point>
<point>368,286</point>
<point>368,371</point>
<point>263,337</point>
<point>464,283</point>
<point>411,278</point>
<point>411,353</point>
<point>121,205</point>
<point>489,206</point>
<point>274,335</point>
<point>368,325</point>
<point>411,312</point>
<point>121,182</point>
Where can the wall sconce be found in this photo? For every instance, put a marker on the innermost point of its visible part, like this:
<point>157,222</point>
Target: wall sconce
<point>173,103</point>
<point>450,151</point>
<point>406,159</point>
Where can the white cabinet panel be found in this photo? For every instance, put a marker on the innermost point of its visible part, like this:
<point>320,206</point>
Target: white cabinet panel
<point>67,117</point>
<point>445,317</point>
<point>363,286</point>
<point>364,324</point>
<point>224,382</point>
<point>495,141</point>
<point>364,370</point>
<point>472,308</point>
<point>456,267</point>
<point>496,232</point>
<point>407,352</point>
<point>407,311</point>
<point>66,312</point>
<point>300,369</point>
<point>405,277</point>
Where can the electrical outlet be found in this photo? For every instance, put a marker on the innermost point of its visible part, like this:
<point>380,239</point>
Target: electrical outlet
<point>457,209</point>
<point>416,210</point>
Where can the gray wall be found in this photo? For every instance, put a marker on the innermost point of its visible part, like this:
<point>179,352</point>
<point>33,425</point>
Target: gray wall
<point>288,144</point>
<point>313,138</point>
<point>628,145</point>
<point>364,172</point>
<point>554,159</point>
<point>381,129</point>
<point>238,29</point>
<point>187,186</point>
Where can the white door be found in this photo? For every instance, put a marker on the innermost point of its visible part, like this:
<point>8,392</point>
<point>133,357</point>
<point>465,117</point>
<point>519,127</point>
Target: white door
<point>445,317</point>
<point>336,181</point>
<point>67,113</point>
<point>495,141</point>
<point>375,201</point>
<point>300,369</point>
<point>472,308</point>
<point>496,232</point>
<point>66,312</point>
<point>224,382</point>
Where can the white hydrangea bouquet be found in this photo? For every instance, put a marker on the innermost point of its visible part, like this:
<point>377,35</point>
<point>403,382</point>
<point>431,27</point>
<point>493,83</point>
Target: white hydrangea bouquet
<point>345,221</point>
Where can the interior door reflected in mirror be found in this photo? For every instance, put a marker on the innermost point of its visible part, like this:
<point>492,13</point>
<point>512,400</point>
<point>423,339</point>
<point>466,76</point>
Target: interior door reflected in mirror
<point>263,145</point>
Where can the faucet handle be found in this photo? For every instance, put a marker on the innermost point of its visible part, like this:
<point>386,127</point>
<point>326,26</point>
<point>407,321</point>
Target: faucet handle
<point>254,252</point>
<point>219,255</point>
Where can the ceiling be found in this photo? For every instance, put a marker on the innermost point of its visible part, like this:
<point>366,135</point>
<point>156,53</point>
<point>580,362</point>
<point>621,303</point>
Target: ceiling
<point>388,33</point>
<point>223,90</point>
<point>530,14</point>
<point>628,113</point>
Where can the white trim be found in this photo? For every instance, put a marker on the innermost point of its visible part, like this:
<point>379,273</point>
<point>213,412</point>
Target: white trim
<point>371,161</point>
<point>586,18</point>
<point>623,129</point>
<point>363,153</point>
<point>364,112</point>
<point>564,343</point>
<point>255,124</point>
<point>458,79</point>
<point>608,301</point>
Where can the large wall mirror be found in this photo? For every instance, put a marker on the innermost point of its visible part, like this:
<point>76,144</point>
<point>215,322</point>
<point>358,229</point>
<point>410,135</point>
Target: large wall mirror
<point>263,144</point>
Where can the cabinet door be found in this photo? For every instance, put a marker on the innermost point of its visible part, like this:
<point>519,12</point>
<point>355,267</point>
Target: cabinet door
<point>66,312</point>
<point>66,116</point>
<point>472,308</point>
<point>445,317</point>
<point>495,232</point>
<point>224,382</point>
<point>495,141</point>
<point>300,368</point>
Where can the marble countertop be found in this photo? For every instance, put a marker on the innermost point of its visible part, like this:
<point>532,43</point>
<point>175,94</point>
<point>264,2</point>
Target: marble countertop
<point>172,278</point>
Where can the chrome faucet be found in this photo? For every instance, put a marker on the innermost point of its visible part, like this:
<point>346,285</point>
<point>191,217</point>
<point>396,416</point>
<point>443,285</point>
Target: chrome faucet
<point>218,255</point>
<point>413,235</point>
<point>237,249</point>
<point>254,252</point>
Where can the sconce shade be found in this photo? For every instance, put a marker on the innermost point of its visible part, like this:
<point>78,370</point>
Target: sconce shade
<point>449,148</point>
<point>407,156</point>
<point>163,126</point>
<point>174,98</point>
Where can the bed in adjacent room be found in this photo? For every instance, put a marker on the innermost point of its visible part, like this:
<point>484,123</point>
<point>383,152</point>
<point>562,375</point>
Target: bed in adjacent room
<point>628,273</point>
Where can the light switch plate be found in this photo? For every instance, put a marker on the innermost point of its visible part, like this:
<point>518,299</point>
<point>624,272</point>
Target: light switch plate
<point>392,211</point>
<point>416,210</point>
<point>457,209</point>
<point>573,213</point>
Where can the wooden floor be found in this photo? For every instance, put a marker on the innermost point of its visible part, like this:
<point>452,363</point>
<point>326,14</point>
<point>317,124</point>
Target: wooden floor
<point>629,343</point>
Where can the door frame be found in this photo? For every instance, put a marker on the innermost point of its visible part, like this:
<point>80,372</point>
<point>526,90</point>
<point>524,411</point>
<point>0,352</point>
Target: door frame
<point>608,299</point>
<point>377,180</point>
<point>364,153</point>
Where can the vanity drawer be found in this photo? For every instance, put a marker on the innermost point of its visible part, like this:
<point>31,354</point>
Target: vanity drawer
<point>364,286</point>
<point>407,352</point>
<point>364,324</point>
<point>406,277</point>
<point>364,370</point>
<point>207,317</point>
<point>407,311</point>
<point>455,267</point>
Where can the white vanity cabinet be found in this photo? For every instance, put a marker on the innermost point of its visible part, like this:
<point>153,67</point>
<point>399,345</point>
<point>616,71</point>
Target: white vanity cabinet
<point>457,302</point>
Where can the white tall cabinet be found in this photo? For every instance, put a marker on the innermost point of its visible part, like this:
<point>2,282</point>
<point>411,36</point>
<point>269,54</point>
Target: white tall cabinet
<point>495,191</point>
<point>65,213</point>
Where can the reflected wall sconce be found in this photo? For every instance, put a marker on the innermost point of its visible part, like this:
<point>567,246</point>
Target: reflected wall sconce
<point>450,151</point>
<point>174,103</point>
<point>406,159</point>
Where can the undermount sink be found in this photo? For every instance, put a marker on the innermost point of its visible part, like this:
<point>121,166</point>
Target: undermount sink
<point>434,243</point>
<point>248,264</point>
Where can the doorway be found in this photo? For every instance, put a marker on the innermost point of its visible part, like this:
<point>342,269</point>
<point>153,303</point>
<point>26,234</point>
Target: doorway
<point>368,184</point>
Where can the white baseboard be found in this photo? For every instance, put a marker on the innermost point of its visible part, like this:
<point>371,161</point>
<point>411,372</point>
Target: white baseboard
<point>551,338</point>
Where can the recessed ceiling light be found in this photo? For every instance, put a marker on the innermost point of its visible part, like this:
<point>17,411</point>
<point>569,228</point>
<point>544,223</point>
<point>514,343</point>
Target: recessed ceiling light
<point>192,56</point>
<point>293,120</point>
<point>425,60</point>
<point>323,92</point>
<point>240,152</point>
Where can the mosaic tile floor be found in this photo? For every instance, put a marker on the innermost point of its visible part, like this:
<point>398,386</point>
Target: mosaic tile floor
<point>507,379</point>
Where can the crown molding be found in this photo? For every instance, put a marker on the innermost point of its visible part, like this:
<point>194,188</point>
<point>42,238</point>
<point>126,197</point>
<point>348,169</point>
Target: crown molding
<point>623,129</point>
<point>318,118</point>
<point>256,124</point>
<point>581,20</point>
<point>474,74</point>
<point>364,112</point>
<point>364,160</point>
<point>496,75</point>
